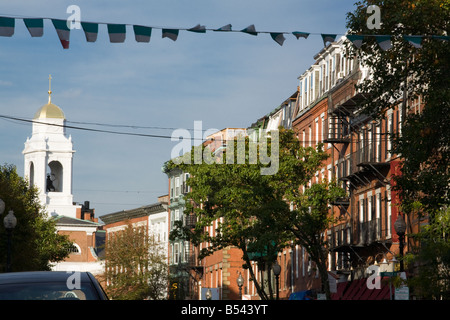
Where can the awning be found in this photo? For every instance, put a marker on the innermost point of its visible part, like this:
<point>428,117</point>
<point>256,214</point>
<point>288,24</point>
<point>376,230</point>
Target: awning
<point>341,286</point>
<point>358,290</point>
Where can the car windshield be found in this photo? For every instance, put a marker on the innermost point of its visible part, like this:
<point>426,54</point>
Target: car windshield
<point>46,291</point>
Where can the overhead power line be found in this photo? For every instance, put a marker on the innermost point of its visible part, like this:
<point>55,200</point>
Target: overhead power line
<point>382,136</point>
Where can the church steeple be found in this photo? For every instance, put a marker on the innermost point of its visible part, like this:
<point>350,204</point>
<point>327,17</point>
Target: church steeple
<point>49,157</point>
<point>49,89</point>
<point>49,110</point>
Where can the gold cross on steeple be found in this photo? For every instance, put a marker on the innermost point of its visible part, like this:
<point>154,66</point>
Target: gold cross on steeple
<point>49,88</point>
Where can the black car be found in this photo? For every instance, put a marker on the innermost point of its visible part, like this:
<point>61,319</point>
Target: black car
<point>50,285</point>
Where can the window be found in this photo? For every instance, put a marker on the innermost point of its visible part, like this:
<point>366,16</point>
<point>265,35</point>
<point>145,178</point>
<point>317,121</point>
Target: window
<point>74,249</point>
<point>177,186</point>
<point>176,253</point>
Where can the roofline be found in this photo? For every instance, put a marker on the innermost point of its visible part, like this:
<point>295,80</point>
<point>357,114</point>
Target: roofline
<point>134,213</point>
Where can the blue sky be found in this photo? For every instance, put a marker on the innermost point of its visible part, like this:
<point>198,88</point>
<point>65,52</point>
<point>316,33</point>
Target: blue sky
<point>222,79</point>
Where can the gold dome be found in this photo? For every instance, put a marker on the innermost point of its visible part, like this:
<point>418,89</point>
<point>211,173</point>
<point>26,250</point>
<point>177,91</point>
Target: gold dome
<point>50,111</point>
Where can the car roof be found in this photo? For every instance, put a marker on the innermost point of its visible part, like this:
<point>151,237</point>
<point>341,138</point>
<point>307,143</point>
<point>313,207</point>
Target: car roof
<point>40,276</point>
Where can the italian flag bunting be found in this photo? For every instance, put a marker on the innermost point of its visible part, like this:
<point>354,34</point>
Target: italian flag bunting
<point>224,28</point>
<point>278,37</point>
<point>198,28</point>
<point>63,32</point>
<point>35,27</point>
<point>328,38</point>
<point>416,41</point>
<point>7,26</point>
<point>90,31</point>
<point>384,42</point>
<point>250,30</point>
<point>142,34</point>
<point>170,33</point>
<point>299,34</point>
<point>357,40</point>
<point>116,33</point>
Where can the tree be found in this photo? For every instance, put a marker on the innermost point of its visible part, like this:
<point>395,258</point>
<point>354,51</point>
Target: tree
<point>35,241</point>
<point>433,260</point>
<point>135,267</point>
<point>409,72</point>
<point>253,210</point>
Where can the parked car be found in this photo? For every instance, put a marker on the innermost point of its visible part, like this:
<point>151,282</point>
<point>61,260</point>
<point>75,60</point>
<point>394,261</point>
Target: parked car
<point>50,285</point>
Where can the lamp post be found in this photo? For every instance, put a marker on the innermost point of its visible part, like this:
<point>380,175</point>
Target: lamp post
<point>240,283</point>
<point>276,271</point>
<point>10,222</point>
<point>400,229</point>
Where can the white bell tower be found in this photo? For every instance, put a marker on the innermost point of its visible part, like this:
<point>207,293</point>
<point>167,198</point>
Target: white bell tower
<point>48,160</point>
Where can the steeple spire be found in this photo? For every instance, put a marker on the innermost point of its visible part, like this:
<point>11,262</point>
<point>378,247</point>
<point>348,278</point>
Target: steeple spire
<point>49,88</point>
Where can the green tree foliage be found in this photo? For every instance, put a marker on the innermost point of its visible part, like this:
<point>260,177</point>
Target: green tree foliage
<point>35,242</point>
<point>254,210</point>
<point>433,260</point>
<point>408,72</point>
<point>136,267</point>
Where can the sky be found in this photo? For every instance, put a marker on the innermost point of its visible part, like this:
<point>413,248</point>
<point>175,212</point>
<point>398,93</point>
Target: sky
<point>223,79</point>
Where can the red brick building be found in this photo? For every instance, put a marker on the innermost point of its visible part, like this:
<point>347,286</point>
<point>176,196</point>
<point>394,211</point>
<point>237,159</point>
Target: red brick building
<point>87,236</point>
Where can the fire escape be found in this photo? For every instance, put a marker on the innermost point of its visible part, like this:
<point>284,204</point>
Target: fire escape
<point>356,138</point>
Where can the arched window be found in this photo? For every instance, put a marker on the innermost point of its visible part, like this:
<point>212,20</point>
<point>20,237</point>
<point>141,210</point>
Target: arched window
<point>31,174</point>
<point>55,177</point>
<point>75,249</point>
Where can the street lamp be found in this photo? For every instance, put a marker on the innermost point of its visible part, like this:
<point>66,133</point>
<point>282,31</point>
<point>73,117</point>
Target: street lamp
<point>276,271</point>
<point>240,283</point>
<point>10,222</point>
<point>400,229</point>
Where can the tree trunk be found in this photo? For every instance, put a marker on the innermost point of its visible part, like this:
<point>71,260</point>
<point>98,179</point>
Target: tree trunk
<point>259,288</point>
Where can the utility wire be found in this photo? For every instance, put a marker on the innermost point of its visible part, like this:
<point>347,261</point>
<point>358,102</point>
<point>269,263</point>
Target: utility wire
<point>383,136</point>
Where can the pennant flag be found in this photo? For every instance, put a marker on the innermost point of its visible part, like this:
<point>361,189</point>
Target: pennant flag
<point>328,37</point>
<point>299,34</point>
<point>355,39</point>
<point>278,37</point>
<point>384,42</point>
<point>35,27</point>
<point>170,33</point>
<point>90,31</point>
<point>224,28</point>
<point>250,30</point>
<point>142,34</point>
<point>416,41</point>
<point>7,26</point>
<point>444,38</point>
<point>116,33</point>
<point>198,28</point>
<point>63,32</point>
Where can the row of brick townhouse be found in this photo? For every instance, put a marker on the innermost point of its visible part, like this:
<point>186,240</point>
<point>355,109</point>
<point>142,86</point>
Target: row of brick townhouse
<point>324,109</point>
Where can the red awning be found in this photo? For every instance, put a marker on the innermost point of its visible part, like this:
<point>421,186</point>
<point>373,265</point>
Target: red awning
<point>358,290</point>
<point>341,286</point>
<point>353,289</point>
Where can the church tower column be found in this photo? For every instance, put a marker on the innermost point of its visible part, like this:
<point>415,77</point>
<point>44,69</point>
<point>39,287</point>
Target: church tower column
<point>48,156</point>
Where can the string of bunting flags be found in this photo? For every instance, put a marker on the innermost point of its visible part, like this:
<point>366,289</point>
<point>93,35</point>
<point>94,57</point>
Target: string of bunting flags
<point>117,32</point>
